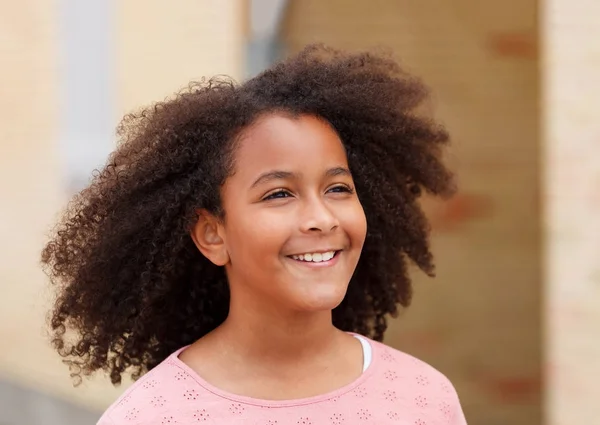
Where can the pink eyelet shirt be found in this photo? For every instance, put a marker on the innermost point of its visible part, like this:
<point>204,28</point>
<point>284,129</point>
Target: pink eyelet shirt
<point>396,388</point>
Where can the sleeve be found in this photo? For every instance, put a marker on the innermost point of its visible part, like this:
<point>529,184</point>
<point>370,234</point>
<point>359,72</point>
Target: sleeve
<point>458,416</point>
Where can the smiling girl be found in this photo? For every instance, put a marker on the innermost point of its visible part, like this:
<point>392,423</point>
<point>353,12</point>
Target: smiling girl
<point>240,252</point>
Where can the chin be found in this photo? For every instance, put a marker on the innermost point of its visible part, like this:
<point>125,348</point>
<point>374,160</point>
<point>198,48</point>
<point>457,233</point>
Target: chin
<point>321,300</point>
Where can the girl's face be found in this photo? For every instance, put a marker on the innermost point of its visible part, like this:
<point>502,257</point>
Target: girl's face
<point>294,227</point>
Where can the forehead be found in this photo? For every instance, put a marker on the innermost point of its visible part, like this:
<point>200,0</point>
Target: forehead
<point>289,143</point>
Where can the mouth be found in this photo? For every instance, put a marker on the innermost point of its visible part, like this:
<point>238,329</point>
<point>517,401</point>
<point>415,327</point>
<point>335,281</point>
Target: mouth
<point>319,258</point>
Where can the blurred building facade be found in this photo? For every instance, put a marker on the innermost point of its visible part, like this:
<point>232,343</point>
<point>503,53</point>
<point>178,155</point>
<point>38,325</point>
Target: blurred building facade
<point>510,317</point>
<point>63,56</point>
<point>479,321</point>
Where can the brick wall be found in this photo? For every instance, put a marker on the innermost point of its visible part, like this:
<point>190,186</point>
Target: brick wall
<point>479,321</point>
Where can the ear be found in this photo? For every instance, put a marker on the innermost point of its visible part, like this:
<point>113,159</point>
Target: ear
<point>207,234</point>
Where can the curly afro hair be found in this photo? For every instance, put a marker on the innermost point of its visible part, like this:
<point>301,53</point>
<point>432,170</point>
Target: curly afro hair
<point>132,286</point>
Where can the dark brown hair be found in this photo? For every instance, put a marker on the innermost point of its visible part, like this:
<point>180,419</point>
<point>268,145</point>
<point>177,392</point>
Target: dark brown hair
<point>131,285</point>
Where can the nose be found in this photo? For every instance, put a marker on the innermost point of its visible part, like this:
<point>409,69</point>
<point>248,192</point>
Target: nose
<point>317,216</point>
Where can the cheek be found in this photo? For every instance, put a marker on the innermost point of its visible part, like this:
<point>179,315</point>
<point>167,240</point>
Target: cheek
<point>355,222</point>
<point>257,237</point>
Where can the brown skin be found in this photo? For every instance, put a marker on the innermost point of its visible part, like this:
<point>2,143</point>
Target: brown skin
<point>280,323</point>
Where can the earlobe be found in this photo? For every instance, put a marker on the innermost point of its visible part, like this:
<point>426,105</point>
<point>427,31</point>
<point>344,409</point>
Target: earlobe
<point>207,237</point>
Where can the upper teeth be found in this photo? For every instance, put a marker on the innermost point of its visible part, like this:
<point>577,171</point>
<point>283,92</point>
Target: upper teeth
<point>315,257</point>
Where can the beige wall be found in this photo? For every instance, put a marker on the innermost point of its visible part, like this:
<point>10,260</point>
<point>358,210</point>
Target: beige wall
<point>29,181</point>
<point>160,46</point>
<point>479,321</point>
<point>571,75</point>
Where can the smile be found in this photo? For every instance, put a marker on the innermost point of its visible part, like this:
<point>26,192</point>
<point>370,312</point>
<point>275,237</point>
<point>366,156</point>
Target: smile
<point>315,257</point>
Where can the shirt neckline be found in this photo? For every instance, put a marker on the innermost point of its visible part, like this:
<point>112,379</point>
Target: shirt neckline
<point>174,360</point>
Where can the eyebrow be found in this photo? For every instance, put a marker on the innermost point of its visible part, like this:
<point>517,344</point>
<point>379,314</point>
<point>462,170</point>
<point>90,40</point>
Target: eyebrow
<point>282,175</point>
<point>338,171</point>
<point>274,175</point>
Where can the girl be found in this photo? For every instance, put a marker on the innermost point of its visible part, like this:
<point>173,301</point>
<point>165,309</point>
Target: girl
<point>245,244</point>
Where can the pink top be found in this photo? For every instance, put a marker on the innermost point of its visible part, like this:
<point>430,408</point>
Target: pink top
<point>395,389</point>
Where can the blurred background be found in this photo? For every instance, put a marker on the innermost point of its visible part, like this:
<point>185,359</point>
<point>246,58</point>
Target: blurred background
<point>512,318</point>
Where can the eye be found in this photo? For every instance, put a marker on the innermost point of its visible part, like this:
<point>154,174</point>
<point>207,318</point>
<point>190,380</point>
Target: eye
<point>278,194</point>
<point>342,188</point>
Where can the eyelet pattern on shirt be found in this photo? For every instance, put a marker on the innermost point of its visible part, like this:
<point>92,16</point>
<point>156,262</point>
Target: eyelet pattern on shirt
<point>336,419</point>
<point>364,415</point>
<point>150,383</point>
<point>421,401</point>
<point>201,415</point>
<point>390,395</point>
<point>422,380</point>
<point>190,395</point>
<point>401,390</point>
<point>236,408</point>
<point>157,401</point>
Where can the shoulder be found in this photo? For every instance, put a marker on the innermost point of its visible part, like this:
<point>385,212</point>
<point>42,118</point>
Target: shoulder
<point>152,392</point>
<point>417,382</point>
<point>399,363</point>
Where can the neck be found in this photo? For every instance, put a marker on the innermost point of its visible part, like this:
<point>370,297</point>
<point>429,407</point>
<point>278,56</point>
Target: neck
<point>275,335</point>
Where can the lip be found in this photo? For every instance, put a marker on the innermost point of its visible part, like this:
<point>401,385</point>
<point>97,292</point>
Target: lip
<point>320,264</point>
